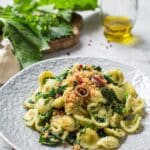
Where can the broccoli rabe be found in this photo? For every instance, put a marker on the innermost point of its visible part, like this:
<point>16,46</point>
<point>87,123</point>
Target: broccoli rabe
<point>98,68</point>
<point>109,79</point>
<point>109,94</point>
<point>112,100</point>
<point>51,140</point>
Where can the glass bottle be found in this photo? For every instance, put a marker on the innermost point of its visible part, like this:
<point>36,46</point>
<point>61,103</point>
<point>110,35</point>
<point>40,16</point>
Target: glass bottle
<point>119,17</point>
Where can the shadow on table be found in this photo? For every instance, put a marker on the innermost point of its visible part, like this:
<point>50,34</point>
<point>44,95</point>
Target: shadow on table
<point>92,23</point>
<point>65,52</point>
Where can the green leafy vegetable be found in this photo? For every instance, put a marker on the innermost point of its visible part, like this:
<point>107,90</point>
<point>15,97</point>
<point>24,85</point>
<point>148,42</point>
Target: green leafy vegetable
<point>118,108</point>
<point>61,89</point>
<point>99,119</point>
<point>29,5</point>
<point>63,76</point>
<point>98,68</point>
<point>112,100</point>
<point>71,138</point>
<point>74,4</point>
<point>44,118</point>
<point>101,133</point>
<point>30,32</point>
<point>51,140</point>
<point>30,45</point>
<point>109,94</point>
<point>110,80</point>
<point>52,93</point>
<point>60,31</point>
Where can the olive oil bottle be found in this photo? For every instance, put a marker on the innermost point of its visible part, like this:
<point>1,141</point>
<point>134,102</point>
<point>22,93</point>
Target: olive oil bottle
<point>116,28</point>
<point>118,17</point>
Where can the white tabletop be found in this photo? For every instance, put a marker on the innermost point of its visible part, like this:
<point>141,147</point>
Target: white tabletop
<point>93,43</point>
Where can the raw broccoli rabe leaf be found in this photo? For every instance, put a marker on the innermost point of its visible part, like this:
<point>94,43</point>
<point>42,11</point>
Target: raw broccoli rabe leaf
<point>25,5</point>
<point>74,4</point>
<point>50,9</point>
<point>50,25</point>
<point>59,31</point>
<point>27,45</point>
<point>30,5</point>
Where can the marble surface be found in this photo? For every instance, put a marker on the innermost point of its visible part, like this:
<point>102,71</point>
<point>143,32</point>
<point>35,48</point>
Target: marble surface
<point>93,43</point>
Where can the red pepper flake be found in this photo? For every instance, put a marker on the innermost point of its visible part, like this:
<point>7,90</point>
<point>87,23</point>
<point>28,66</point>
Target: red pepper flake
<point>80,66</point>
<point>79,80</point>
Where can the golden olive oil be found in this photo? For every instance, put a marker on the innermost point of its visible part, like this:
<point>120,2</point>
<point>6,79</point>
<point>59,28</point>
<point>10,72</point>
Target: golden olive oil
<point>117,28</point>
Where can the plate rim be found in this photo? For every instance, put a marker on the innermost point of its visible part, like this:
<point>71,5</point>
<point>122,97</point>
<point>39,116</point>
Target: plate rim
<point>53,59</point>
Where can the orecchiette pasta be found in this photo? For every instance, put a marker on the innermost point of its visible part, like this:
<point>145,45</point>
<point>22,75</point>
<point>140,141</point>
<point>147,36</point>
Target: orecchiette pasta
<point>84,106</point>
<point>131,126</point>
<point>115,120</point>
<point>42,106</point>
<point>83,120</point>
<point>45,75</point>
<point>137,105</point>
<point>56,125</point>
<point>128,88</point>
<point>30,117</point>
<point>68,123</point>
<point>118,91</point>
<point>51,83</point>
<point>29,103</point>
<point>115,132</point>
<point>88,138</point>
<point>58,103</point>
<point>96,96</point>
<point>108,142</point>
<point>37,126</point>
<point>117,75</point>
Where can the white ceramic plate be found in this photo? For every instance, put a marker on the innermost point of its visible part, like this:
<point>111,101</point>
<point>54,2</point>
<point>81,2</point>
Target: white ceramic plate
<point>17,89</point>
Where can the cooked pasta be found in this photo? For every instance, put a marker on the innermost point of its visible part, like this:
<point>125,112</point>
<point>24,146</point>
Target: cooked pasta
<point>84,107</point>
